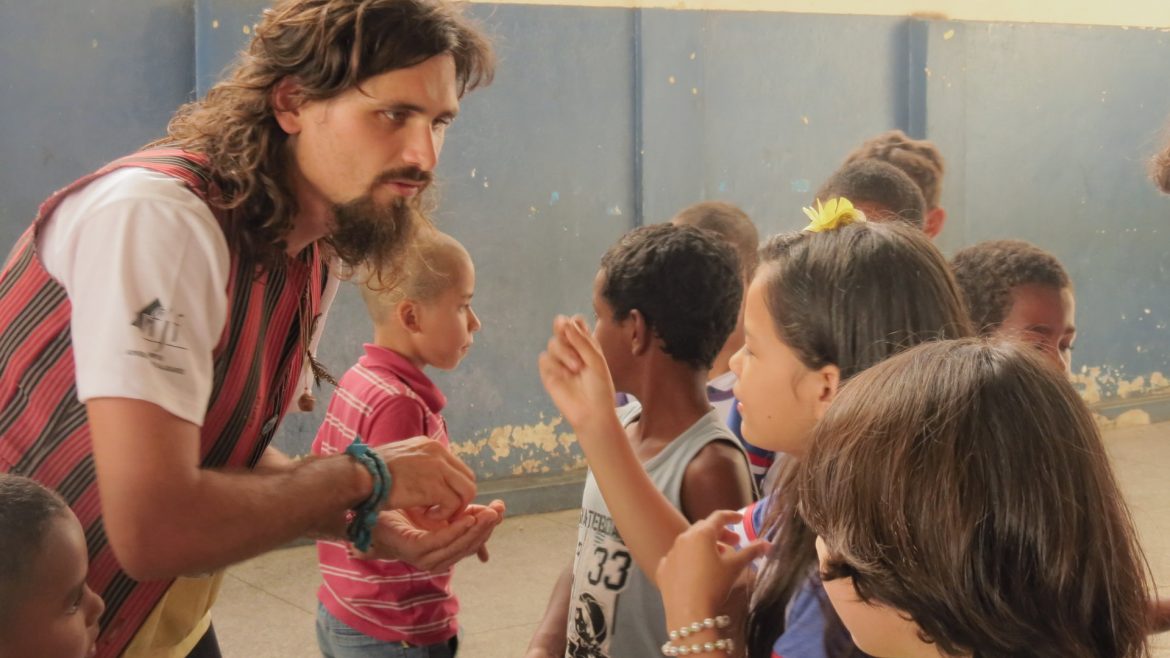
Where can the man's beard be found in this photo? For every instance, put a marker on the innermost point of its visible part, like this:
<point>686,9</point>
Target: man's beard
<point>366,233</point>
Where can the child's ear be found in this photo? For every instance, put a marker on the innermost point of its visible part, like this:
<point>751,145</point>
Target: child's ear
<point>286,105</point>
<point>408,312</point>
<point>935,218</point>
<point>828,380</point>
<point>640,338</point>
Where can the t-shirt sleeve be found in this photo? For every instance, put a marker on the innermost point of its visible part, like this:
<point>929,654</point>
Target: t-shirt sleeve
<point>394,420</point>
<point>145,266</point>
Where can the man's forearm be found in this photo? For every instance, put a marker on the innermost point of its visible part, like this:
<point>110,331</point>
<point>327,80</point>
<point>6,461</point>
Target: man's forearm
<point>274,461</point>
<point>226,517</point>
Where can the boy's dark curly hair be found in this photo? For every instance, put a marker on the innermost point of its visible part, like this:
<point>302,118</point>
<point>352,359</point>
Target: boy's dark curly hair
<point>685,281</point>
<point>987,272</point>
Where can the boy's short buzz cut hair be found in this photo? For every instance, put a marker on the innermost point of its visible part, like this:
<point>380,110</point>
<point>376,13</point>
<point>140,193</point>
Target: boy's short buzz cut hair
<point>686,283</point>
<point>427,269</point>
<point>26,509</point>
<point>879,183</point>
<point>988,271</point>
<point>730,223</point>
<point>917,158</point>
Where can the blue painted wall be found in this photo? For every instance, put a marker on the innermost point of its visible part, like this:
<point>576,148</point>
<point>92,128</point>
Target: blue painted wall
<point>601,119</point>
<point>81,83</point>
<point>1050,127</point>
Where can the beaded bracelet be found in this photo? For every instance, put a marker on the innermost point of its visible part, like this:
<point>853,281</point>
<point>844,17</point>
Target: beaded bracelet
<point>722,644</point>
<point>360,530</point>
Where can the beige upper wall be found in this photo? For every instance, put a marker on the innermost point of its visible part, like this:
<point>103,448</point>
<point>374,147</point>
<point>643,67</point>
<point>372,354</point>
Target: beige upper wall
<point>1139,13</point>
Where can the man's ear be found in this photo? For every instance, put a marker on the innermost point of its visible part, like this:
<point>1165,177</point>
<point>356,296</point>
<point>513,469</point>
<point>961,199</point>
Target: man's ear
<point>935,218</point>
<point>825,381</point>
<point>286,105</point>
<point>408,315</point>
<point>641,337</point>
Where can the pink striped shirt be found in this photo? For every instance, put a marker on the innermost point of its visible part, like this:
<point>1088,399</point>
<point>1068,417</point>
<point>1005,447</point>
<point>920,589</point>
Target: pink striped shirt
<point>384,398</point>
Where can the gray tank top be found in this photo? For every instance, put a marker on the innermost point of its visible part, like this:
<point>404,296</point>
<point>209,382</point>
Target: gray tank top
<point>615,611</point>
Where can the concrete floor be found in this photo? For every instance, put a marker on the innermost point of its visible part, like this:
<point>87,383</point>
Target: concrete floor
<point>267,606</point>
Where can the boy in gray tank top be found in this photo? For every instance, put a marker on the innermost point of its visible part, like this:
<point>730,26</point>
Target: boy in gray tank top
<point>666,298</point>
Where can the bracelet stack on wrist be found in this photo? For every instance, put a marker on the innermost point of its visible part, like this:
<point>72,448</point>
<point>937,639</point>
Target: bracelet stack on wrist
<point>726,645</point>
<point>360,530</point>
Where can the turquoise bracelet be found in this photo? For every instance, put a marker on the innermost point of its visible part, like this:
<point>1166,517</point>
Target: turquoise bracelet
<point>360,531</point>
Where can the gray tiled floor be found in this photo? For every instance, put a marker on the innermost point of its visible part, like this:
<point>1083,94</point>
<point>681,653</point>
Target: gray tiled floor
<point>266,609</point>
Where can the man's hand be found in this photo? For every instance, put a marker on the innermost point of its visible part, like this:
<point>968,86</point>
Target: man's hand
<point>396,537</point>
<point>426,474</point>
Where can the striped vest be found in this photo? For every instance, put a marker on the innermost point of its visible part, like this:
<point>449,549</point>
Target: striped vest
<point>44,432</point>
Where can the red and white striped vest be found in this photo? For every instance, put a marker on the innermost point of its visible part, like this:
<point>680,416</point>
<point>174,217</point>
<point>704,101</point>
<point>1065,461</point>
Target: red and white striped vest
<point>44,432</point>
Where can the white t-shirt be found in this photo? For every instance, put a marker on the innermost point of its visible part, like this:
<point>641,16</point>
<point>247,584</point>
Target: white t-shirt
<point>146,266</point>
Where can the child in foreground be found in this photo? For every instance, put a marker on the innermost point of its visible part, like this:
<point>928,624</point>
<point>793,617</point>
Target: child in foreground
<point>422,319</point>
<point>1001,530</point>
<point>46,608</point>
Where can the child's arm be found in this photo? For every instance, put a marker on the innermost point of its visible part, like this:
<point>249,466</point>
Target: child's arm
<point>577,378</point>
<point>703,576</point>
<point>717,478</point>
<point>550,638</point>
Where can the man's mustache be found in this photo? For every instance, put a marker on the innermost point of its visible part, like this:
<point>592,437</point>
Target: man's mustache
<point>411,174</point>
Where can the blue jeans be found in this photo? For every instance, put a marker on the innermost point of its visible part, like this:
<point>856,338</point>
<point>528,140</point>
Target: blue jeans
<point>337,640</point>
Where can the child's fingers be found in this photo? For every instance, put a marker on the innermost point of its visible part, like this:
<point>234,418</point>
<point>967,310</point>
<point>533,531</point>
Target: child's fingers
<point>586,347</point>
<point>728,536</point>
<point>718,521</point>
<point>739,560</point>
<point>483,554</point>
<point>560,349</point>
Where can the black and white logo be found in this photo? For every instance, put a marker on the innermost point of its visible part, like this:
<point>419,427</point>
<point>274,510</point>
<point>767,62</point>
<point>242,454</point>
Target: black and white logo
<point>160,327</point>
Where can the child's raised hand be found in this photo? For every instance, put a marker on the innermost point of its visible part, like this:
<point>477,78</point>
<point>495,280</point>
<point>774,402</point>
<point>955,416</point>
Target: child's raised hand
<point>697,574</point>
<point>575,374</point>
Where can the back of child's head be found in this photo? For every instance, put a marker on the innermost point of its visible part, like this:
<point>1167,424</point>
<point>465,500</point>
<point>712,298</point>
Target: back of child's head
<point>684,281</point>
<point>26,510</point>
<point>1000,530</point>
<point>854,295</point>
<point>851,296</point>
<point>882,190</point>
<point>917,158</point>
<point>728,222</point>
<point>988,271</point>
<point>430,265</point>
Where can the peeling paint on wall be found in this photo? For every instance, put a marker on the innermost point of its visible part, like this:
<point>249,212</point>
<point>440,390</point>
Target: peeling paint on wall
<point>1102,383</point>
<point>540,448</point>
<point>1131,418</point>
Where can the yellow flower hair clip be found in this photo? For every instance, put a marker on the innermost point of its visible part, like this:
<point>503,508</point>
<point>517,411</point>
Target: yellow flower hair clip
<point>833,214</point>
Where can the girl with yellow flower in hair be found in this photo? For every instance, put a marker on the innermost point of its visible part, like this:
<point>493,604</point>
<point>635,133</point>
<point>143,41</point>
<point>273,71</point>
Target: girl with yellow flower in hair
<point>825,304</point>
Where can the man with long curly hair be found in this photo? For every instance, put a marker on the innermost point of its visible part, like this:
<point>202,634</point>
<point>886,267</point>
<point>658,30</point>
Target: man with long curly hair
<point>156,318</point>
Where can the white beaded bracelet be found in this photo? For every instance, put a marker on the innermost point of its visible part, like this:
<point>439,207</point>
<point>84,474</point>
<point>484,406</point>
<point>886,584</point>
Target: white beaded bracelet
<point>719,622</point>
<point>722,644</point>
<point>722,621</point>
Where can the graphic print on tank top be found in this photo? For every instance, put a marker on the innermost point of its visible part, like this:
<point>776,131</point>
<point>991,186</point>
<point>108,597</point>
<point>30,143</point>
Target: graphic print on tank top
<point>594,600</point>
